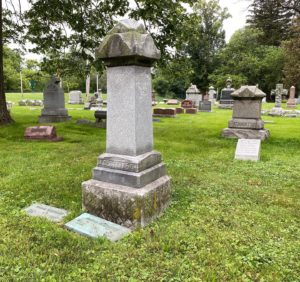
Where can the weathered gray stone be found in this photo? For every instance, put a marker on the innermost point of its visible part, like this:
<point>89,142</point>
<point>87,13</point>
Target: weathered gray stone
<point>291,103</point>
<point>246,118</point>
<point>124,205</point>
<point>129,163</point>
<point>205,106</point>
<point>193,94</point>
<point>129,114</point>
<point>75,97</point>
<point>95,227</point>
<point>54,103</point>
<point>48,212</point>
<point>128,39</point>
<point>248,150</point>
<point>246,133</point>
<point>129,184</point>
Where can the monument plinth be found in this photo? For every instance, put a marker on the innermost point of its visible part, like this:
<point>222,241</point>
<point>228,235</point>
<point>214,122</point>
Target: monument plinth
<point>129,186</point>
<point>246,120</point>
<point>54,103</point>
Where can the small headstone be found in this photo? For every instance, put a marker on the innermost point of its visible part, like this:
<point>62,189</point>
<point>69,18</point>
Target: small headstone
<point>205,106</point>
<point>75,97</point>
<point>9,105</point>
<point>187,104</point>
<point>248,150</point>
<point>87,106</point>
<point>172,102</point>
<point>162,112</point>
<point>95,227</point>
<point>51,213</point>
<point>179,110</point>
<point>22,103</point>
<point>42,133</point>
<point>191,111</point>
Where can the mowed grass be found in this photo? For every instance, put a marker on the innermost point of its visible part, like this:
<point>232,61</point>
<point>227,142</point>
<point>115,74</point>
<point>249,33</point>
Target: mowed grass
<point>228,220</point>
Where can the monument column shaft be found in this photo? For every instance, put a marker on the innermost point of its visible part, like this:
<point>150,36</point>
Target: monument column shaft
<point>129,112</point>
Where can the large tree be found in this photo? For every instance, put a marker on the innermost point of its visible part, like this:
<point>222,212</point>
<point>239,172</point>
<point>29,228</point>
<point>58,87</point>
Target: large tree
<point>292,57</point>
<point>10,29</point>
<point>201,38</point>
<point>247,61</point>
<point>273,18</point>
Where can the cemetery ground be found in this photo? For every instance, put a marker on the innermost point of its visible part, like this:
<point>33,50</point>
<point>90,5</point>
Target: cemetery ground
<point>228,220</point>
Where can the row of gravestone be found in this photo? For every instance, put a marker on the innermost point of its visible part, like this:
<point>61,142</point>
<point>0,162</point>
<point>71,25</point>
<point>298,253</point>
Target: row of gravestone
<point>130,186</point>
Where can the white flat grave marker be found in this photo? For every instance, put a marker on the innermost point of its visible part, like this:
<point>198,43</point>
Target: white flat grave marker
<point>93,226</point>
<point>248,150</point>
<point>48,212</point>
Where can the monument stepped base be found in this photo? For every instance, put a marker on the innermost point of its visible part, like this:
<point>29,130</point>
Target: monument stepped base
<point>246,133</point>
<point>127,206</point>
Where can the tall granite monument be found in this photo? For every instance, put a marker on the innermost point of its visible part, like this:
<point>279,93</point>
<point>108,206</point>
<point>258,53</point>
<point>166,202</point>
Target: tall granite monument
<point>246,120</point>
<point>226,101</point>
<point>129,186</point>
<point>193,94</point>
<point>54,103</point>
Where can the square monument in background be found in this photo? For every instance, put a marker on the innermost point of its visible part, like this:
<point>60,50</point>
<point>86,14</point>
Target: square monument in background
<point>246,120</point>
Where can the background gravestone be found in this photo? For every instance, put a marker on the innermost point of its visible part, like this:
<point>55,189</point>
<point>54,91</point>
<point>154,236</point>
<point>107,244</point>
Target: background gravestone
<point>193,94</point>
<point>226,101</point>
<point>129,186</point>
<point>54,103</point>
<point>246,120</point>
<point>291,103</point>
<point>75,98</point>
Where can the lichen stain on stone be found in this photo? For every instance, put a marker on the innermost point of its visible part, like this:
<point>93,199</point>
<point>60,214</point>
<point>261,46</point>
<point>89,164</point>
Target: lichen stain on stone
<point>155,200</point>
<point>137,214</point>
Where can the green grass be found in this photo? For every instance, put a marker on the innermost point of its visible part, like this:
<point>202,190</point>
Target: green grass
<point>228,221</point>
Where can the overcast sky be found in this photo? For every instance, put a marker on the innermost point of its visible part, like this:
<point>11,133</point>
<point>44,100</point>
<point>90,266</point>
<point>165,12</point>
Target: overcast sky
<point>237,8</point>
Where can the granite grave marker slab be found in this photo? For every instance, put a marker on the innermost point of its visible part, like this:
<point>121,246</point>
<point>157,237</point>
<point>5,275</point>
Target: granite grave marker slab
<point>248,150</point>
<point>94,227</point>
<point>48,212</point>
<point>42,133</point>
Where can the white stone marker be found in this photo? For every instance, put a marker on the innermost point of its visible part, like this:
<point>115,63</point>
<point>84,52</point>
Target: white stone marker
<point>248,150</point>
<point>129,186</point>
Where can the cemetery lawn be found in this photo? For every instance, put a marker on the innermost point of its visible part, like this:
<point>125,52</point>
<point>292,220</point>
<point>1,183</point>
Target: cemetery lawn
<point>228,220</point>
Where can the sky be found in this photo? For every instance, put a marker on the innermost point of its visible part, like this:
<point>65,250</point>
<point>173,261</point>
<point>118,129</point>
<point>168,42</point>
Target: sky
<point>237,8</point>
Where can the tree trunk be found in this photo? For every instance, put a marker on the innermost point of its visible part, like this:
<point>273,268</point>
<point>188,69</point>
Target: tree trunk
<point>4,113</point>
